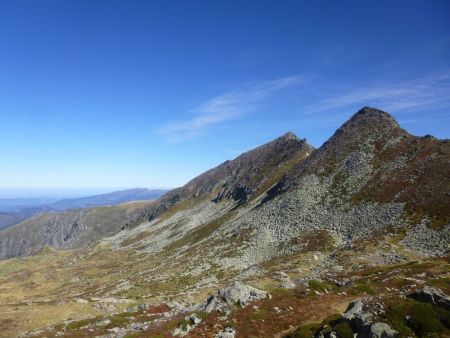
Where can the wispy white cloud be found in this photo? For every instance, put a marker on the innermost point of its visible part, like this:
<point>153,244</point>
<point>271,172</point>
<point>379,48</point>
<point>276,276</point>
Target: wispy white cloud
<point>316,102</point>
<point>395,97</point>
<point>226,107</point>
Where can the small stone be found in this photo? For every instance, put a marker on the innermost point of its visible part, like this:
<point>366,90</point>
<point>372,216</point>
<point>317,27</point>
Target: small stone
<point>81,300</point>
<point>228,332</point>
<point>382,330</point>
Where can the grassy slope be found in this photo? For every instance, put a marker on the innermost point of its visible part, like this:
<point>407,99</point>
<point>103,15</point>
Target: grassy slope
<point>318,302</point>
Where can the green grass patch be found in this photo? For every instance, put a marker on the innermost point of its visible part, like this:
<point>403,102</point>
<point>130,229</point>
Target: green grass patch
<point>362,287</point>
<point>279,292</point>
<point>441,282</point>
<point>259,315</point>
<point>131,335</point>
<point>317,285</point>
<point>410,317</point>
<point>343,330</point>
<point>202,315</point>
<point>304,331</point>
<point>170,325</point>
<point>117,321</point>
<point>309,330</point>
<point>127,314</point>
<point>78,324</point>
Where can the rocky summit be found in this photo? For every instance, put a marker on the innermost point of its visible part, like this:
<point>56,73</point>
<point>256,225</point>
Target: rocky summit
<point>283,241</point>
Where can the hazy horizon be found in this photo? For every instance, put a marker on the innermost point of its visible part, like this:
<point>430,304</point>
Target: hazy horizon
<point>55,193</point>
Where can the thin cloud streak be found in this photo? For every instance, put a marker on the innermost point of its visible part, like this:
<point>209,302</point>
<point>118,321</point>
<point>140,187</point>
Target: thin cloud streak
<point>431,92</point>
<point>226,107</point>
<point>399,97</point>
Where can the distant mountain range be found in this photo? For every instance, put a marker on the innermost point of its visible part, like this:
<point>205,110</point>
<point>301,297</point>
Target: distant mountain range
<point>13,211</point>
<point>116,197</point>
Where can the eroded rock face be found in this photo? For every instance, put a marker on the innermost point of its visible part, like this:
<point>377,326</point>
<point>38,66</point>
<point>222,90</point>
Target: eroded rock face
<point>432,295</point>
<point>237,293</point>
<point>358,315</point>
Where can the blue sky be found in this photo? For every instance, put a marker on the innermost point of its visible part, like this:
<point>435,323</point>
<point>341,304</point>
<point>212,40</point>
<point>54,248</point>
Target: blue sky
<point>152,93</point>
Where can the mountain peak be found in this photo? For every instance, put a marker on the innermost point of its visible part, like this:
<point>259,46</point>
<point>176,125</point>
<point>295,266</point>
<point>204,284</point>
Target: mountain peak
<point>373,115</point>
<point>289,136</point>
<point>368,122</point>
<point>290,139</point>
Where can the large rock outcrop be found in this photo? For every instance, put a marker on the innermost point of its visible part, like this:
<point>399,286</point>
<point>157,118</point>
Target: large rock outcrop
<point>236,294</point>
<point>432,295</point>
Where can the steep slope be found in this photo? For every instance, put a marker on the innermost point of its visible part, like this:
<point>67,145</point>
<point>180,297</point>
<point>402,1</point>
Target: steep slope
<point>238,180</point>
<point>370,158</point>
<point>63,230</point>
<point>370,176</point>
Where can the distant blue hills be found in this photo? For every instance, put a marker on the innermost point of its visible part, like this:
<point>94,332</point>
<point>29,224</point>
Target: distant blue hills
<point>13,211</point>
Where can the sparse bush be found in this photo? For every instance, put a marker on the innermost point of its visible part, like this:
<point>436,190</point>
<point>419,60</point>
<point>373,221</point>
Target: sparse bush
<point>131,335</point>
<point>317,285</point>
<point>125,314</point>
<point>343,330</point>
<point>408,316</point>
<point>304,331</point>
<point>279,292</point>
<point>365,288</point>
<point>444,316</point>
<point>395,315</point>
<point>78,324</point>
<point>170,325</point>
<point>117,321</point>
<point>202,315</point>
<point>228,325</point>
<point>259,314</point>
<point>424,320</point>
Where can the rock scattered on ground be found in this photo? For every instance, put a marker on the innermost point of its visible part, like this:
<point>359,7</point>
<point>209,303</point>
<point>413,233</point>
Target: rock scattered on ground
<point>236,294</point>
<point>432,295</point>
<point>228,332</point>
<point>362,316</point>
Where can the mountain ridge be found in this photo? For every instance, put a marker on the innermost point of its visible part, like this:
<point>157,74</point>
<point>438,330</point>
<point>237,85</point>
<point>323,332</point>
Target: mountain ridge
<point>235,185</point>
